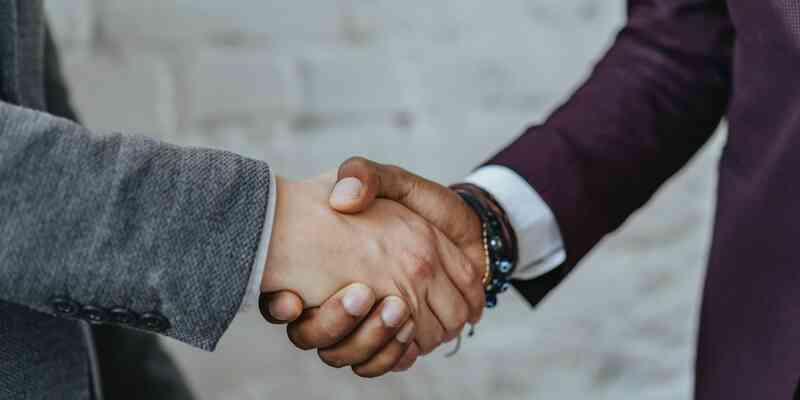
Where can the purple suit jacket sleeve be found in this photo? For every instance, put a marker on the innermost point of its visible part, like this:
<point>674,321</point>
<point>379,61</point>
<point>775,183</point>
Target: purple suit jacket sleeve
<point>651,102</point>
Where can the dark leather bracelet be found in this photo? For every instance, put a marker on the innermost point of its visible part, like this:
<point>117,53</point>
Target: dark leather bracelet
<point>500,242</point>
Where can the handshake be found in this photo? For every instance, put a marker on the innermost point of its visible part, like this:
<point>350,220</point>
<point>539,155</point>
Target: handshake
<point>373,266</point>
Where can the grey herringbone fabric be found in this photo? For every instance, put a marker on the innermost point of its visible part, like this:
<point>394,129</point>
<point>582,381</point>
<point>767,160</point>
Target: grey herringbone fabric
<point>106,219</point>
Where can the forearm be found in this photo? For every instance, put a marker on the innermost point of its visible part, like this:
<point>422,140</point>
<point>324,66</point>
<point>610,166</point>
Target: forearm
<point>649,105</point>
<point>125,221</point>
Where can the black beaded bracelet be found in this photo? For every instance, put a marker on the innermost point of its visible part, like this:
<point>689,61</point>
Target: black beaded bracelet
<point>498,238</point>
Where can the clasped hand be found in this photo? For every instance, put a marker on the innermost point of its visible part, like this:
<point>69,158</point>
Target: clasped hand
<point>382,233</point>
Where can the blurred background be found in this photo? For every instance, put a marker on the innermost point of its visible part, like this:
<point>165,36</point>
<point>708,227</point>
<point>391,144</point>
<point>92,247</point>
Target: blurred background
<point>435,86</point>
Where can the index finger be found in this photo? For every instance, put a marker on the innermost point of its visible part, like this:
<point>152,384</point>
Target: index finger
<point>334,320</point>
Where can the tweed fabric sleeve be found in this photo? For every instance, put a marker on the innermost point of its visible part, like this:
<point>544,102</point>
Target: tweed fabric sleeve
<point>113,221</point>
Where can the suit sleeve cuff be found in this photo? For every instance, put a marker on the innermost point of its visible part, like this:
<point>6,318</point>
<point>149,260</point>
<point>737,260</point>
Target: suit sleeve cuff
<point>541,248</point>
<point>254,284</point>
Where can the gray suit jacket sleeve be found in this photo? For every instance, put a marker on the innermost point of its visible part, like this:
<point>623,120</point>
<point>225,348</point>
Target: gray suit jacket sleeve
<point>115,220</point>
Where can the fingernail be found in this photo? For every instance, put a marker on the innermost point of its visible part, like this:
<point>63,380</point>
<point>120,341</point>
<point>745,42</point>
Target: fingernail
<point>404,336</point>
<point>356,300</point>
<point>393,311</point>
<point>277,311</point>
<point>347,189</point>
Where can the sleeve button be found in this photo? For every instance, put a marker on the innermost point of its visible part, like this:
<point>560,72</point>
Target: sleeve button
<point>63,305</point>
<point>121,315</point>
<point>93,314</point>
<point>154,322</point>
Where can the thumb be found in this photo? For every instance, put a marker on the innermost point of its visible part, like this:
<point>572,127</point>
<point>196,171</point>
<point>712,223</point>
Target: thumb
<point>280,307</point>
<point>360,181</point>
<point>351,196</point>
<point>437,204</point>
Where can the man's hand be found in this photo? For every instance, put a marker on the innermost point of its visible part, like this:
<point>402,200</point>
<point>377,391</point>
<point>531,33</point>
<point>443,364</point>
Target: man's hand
<point>323,327</point>
<point>435,203</point>
<point>360,182</point>
<point>315,251</point>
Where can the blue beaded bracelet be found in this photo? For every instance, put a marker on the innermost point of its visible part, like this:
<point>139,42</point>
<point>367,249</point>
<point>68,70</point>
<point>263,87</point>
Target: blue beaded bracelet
<point>499,246</point>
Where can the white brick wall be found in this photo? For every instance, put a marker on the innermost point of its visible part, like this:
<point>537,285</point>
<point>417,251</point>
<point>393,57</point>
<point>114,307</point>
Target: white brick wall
<point>219,83</point>
<point>433,85</point>
<point>176,22</point>
<point>332,84</point>
<point>130,92</point>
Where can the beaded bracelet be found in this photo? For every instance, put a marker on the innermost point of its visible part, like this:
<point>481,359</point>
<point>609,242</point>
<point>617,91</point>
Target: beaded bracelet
<point>499,241</point>
<point>499,245</point>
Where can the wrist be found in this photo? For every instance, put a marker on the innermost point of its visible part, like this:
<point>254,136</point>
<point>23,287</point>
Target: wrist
<point>499,241</point>
<point>488,202</point>
<point>273,274</point>
<point>296,204</point>
<point>302,245</point>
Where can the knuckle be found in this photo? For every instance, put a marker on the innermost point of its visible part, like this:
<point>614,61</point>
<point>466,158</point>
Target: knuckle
<point>358,163</point>
<point>409,181</point>
<point>329,334</point>
<point>394,169</point>
<point>369,372</point>
<point>297,339</point>
<point>379,365</point>
<point>367,346</point>
<point>421,267</point>
<point>332,326</point>
<point>332,359</point>
<point>422,270</point>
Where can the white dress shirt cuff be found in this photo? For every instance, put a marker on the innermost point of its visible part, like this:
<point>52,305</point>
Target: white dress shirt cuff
<point>541,248</point>
<point>257,272</point>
